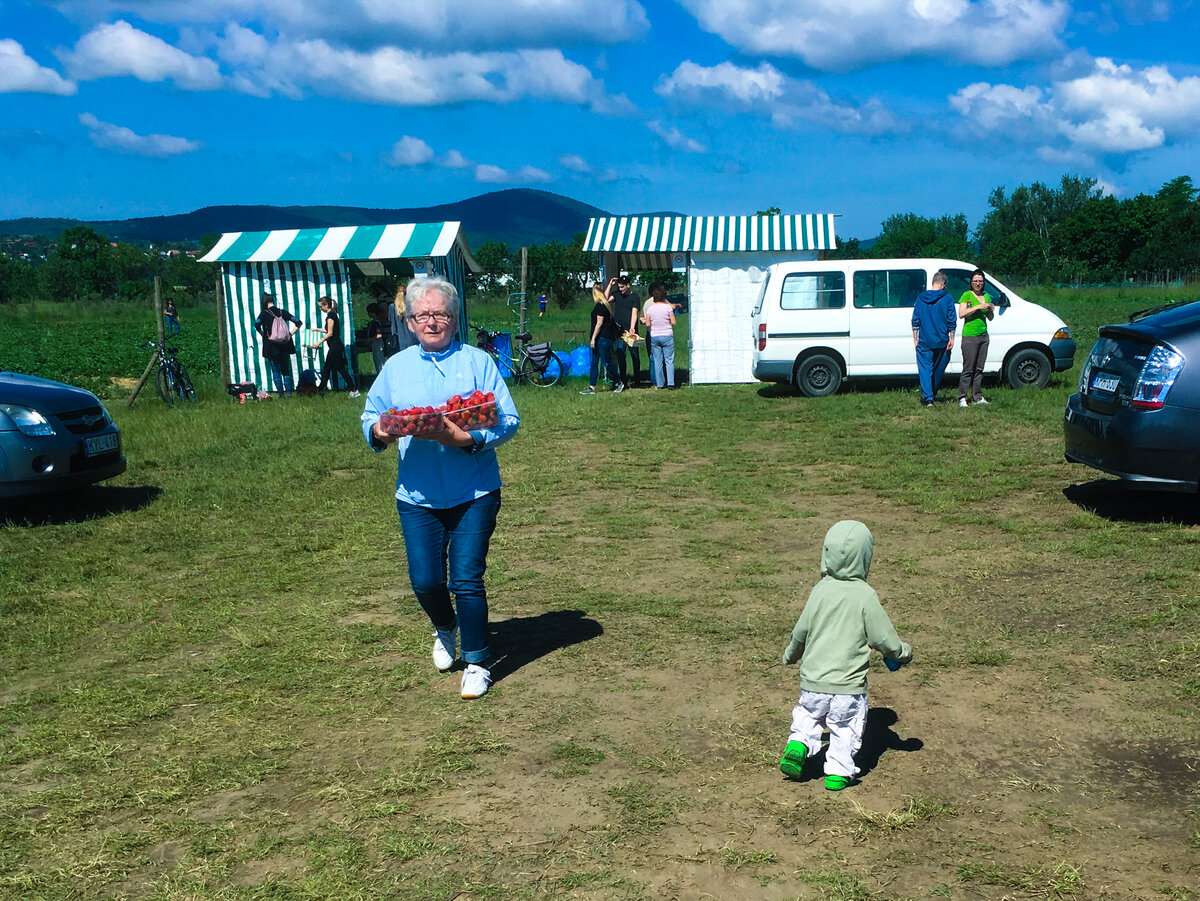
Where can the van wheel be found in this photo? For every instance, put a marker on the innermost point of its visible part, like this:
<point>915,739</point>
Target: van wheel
<point>818,375</point>
<point>1028,368</point>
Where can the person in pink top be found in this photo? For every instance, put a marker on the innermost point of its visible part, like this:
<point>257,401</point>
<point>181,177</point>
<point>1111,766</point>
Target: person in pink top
<point>659,318</point>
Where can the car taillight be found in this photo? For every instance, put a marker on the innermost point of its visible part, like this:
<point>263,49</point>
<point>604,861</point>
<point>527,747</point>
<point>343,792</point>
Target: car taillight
<point>762,336</point>
<point>1158,374</point>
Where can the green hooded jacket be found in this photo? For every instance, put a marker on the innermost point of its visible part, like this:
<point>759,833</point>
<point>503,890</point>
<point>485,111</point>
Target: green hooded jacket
<point>842,618</point>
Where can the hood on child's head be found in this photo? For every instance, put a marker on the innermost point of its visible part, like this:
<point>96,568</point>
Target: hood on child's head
<point>847,551</point>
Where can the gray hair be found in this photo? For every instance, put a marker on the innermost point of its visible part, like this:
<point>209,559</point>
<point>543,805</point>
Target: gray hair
<point>420,288</point>
<point>939,278</point>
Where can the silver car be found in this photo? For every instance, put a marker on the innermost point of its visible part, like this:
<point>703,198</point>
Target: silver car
<point>53,437</point>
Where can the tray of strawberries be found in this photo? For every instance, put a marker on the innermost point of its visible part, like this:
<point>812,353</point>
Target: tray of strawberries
<point>475,411</point>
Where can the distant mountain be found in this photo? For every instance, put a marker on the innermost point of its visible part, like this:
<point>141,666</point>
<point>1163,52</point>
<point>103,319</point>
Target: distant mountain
<point>519,217</point>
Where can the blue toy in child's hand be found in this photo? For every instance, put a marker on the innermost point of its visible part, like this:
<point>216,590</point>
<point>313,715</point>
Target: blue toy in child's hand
<point>894,665</point>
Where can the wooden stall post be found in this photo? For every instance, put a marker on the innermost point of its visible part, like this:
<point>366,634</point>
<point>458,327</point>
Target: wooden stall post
<point>222,329</point>
<point>158,317</point>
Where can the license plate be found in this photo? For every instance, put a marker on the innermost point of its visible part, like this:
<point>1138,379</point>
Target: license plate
<point>101,444</point>
<point>1106,383</point>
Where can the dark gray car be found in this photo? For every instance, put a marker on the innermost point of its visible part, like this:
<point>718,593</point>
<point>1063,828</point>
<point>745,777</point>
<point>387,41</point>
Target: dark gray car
<point>53,437</point>
<point>1137,413</point>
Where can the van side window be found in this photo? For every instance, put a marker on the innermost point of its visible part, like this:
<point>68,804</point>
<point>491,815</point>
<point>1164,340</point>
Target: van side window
<point>813,291</point>
<point>888,287</point>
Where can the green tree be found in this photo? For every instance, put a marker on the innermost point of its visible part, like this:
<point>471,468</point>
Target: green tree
<point>561,270</point>
<point>17,279</point>
<point>84,264</point>
<point>909,235</point>
<point>1036,208</point>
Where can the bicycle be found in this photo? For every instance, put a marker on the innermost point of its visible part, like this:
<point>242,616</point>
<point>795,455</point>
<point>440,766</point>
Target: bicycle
<point>170,378</point>
<point>531,362</point>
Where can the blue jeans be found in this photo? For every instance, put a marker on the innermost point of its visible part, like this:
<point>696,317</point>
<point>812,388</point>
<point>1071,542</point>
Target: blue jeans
<point>281,377</point>
<point>172,324</point>
<point>662,357</point>
<point>457,536</point>
<point>931,366</point>
<point>602,351</point>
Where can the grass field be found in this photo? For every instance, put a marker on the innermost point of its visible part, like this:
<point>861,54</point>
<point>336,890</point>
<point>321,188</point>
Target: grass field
<point>215,683</point>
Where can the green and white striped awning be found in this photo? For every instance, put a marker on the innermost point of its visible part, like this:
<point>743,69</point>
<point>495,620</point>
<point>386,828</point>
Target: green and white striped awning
<point>737,234</point>
<point>351,243</point>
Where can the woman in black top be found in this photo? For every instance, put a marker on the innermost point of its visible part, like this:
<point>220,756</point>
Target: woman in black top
<point>335,353</point>
<point>603,333</point>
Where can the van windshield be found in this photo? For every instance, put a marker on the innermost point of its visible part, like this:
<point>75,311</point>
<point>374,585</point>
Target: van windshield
<point>958,283</point>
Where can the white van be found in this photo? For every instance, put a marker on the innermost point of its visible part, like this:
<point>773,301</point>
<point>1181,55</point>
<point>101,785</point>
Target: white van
<point>819,322</point>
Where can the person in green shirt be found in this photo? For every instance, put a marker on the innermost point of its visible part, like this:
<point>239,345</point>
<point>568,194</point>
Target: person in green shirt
<point>975,308</point>
<point>841,622</point>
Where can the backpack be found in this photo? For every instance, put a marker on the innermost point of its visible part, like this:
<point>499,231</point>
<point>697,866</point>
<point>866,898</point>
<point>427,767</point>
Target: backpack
<point>281,330</point>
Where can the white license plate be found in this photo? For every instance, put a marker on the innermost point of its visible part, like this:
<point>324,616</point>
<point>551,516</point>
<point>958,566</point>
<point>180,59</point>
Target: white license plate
<point>1106,383</point>
<point>101,444</point>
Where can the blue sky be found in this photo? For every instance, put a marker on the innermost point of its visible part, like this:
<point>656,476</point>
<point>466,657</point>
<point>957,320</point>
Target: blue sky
<point>118,108</point>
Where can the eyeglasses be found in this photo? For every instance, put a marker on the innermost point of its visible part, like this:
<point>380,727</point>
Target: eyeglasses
<point>425,318</point>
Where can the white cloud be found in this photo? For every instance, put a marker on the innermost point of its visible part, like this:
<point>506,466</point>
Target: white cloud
<point>765,91</point>
<point>124,140</point>
<point>573,162</point>
<point>840,36</point>
<point>20,74</point>
<point>403,77</point>
<point>675,139</point>
<point>1113,109</point>
<point>436,24</point>
<point>454,159</point>
<point>409,151</point>
<point>485,172</point>
<point>120,49</point>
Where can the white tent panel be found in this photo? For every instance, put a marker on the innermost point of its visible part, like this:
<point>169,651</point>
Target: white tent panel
<point>723,287</point>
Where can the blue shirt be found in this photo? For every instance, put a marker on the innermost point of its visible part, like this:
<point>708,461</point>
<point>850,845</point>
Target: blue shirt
<point>431,474</point>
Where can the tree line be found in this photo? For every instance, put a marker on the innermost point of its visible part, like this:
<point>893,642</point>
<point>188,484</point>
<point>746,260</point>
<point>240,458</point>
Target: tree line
<point>85,265</point>
<point>1070,233</point>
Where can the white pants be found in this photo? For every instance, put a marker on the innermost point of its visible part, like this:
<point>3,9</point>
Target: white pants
<point>844,715</point>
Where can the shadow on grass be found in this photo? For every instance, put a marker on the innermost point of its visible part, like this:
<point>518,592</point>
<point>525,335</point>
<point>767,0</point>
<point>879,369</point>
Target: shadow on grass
<point>66,507</point>
<point>878,737</point>
<point>1115,501</point>
<point>523,639</point>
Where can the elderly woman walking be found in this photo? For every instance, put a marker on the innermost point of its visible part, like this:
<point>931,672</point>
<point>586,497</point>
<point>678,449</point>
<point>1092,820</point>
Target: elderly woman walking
<point>448,484</point>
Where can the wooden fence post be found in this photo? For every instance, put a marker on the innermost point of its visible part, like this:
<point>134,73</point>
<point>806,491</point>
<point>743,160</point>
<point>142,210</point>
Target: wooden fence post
<point>222,329</point>
<point>158,317</point>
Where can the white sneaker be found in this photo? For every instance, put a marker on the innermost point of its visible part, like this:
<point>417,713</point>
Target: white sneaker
<point>962,401</point>
<point>475,681</point>
<point>982,400</point>
<point>444,650</point>
<point>354,394</point>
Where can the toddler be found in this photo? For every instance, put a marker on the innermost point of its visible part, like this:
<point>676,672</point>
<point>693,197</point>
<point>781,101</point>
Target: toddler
<point>841,621</point>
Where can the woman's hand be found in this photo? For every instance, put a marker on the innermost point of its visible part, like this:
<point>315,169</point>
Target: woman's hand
<point>381,436</point>
<point>450,435</point>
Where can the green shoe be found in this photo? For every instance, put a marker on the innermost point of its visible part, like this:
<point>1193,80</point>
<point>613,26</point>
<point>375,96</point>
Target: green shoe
<point>792,761</point>
<point>837,783</point>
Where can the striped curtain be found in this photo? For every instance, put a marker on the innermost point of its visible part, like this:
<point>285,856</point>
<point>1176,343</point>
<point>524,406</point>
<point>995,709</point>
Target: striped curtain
<point>296,287</point>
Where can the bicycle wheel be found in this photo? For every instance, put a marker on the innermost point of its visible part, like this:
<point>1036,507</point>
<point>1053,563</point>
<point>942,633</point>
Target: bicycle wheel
<point>164,383</point>
<point>538,375</point>
<point>184,384</point>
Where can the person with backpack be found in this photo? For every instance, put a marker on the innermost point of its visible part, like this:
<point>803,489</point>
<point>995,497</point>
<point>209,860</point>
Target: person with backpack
<point>278,329</point>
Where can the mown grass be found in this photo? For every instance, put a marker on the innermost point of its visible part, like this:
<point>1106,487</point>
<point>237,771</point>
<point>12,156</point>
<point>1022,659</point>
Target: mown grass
<point>214,683</point>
